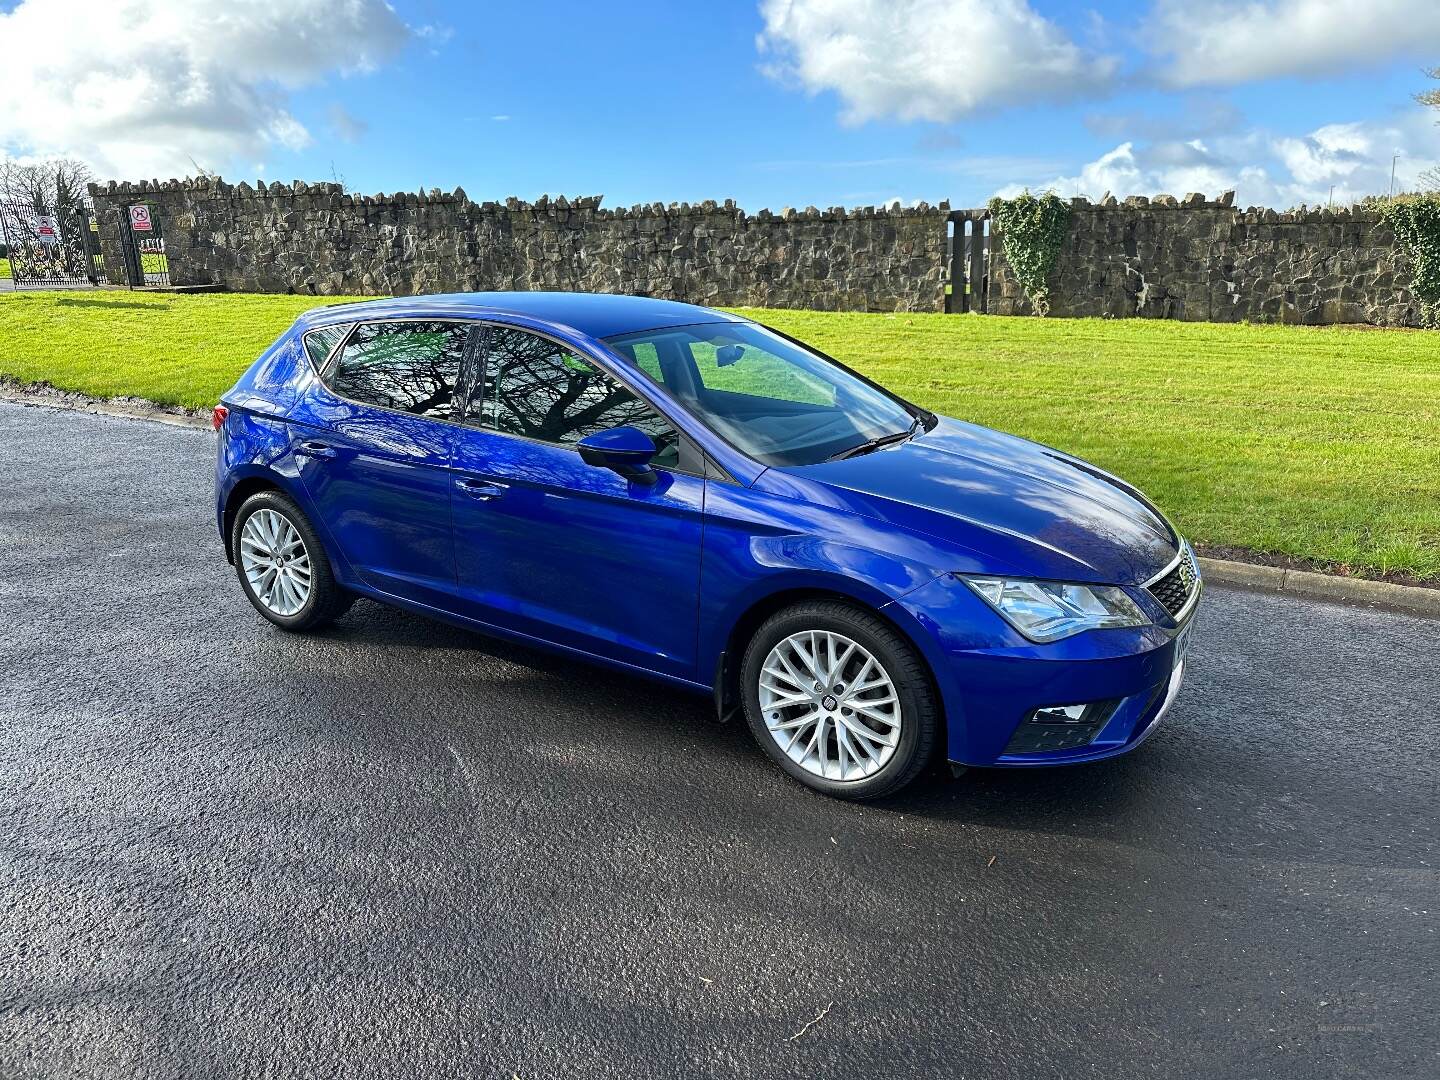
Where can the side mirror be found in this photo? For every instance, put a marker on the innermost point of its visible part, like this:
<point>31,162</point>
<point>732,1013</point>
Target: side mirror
<point>627,450</point>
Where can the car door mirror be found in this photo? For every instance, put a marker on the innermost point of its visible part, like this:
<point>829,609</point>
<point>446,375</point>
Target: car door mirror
<point>626,450</point>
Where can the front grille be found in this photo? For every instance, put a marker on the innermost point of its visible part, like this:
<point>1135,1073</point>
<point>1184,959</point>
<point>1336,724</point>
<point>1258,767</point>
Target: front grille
<point>1175,588</point>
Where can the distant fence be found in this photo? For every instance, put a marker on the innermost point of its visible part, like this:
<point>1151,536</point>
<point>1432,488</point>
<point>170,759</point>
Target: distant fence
<point>1191,258</point>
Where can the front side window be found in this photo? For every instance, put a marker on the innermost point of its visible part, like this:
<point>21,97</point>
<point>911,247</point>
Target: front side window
<point>775,400</point>
<point>537,388</point>
<point>409,366</point>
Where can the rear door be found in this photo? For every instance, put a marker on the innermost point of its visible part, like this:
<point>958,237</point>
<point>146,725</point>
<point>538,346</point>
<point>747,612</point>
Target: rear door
<point>374,453</point>
<point>564,551</point>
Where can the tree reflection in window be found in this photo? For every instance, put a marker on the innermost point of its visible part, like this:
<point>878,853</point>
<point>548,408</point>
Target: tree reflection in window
<point>410,366</point>
<point>539,389</point>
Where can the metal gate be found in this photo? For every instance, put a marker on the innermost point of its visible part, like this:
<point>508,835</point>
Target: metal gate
<point>142,239</point>
<point>46,248</point>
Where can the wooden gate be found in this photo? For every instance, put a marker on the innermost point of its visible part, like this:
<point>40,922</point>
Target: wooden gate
<point>969,247</point>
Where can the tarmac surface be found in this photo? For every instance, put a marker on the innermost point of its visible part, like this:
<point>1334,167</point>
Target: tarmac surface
<point>399,849</point>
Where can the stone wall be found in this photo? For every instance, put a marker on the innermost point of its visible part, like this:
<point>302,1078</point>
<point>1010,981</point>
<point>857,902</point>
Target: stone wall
<point>1200,260</point>
<point>314,238</point>
<point>1166,258</point>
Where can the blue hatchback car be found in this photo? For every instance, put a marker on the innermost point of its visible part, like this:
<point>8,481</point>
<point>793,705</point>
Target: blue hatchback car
<point>686,494</point>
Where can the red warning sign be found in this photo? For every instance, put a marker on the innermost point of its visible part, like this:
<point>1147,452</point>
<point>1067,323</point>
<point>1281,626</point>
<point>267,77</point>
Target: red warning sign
<point>47,229</point>
<point>140,219</point>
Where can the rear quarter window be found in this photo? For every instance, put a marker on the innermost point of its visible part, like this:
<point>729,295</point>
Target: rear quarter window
<point>319,344</point>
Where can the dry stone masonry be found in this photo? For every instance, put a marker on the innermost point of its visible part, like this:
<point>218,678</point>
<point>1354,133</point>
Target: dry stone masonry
<point>1209,261</point>
<point>1191,258</point>
<point>315,238</point>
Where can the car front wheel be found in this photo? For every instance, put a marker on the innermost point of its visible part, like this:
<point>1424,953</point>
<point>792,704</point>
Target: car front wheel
<point>281,565</point>
<point>839,700</point>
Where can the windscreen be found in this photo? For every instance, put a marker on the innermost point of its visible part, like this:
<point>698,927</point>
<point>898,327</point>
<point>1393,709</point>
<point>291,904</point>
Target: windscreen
<point>777,401</point>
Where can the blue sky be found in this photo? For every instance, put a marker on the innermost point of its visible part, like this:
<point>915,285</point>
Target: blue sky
<point>772,103</point>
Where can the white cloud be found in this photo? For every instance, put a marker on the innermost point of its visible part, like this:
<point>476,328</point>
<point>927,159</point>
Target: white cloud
<point>900,58</point>
<point>150,84</point>
<point>1330,153</point>
<point>1169,167</point>
<point>1264,169</point>
<point>1221,42</point>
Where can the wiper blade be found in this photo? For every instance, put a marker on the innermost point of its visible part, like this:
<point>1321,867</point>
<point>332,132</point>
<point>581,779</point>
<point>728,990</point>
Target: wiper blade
<point>875,443</point>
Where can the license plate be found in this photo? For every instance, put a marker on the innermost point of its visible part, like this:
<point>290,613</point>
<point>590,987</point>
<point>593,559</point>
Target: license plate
<point>1182,645</point>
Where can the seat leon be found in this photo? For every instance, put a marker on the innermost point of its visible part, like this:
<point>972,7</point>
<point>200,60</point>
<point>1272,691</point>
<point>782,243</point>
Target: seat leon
<point>685,494</point>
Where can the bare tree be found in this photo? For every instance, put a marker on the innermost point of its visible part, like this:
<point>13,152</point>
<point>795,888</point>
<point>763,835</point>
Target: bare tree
<point>56,185</point>
<point>1430,178</point>
<point>1430,97</point>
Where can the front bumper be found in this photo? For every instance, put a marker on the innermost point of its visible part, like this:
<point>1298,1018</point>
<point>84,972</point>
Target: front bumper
<point>992,680</point>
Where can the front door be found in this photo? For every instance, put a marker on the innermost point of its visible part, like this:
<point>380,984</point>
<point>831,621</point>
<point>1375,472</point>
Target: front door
<point>374,454</point>
<point>554,548</point>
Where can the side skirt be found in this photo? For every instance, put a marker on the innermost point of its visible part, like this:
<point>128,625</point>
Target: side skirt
<point>491,630</point>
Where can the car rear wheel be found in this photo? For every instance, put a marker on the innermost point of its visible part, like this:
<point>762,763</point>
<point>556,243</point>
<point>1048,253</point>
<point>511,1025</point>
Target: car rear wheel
<point>281,565</point>
<point>839,700</point>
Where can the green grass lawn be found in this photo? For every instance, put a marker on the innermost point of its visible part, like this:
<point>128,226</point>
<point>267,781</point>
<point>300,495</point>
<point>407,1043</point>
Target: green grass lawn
<point>1317,443</point>
<point>4,267</point>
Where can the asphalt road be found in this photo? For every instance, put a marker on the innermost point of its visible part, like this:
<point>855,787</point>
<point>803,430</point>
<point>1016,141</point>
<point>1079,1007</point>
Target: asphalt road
<point>404,850</point>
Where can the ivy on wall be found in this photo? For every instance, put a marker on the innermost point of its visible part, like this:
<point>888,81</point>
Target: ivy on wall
<point>1033,229</point>
<point>1415,221</point>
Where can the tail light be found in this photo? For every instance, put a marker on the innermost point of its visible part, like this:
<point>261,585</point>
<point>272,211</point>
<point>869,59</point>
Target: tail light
<point>217,417</point>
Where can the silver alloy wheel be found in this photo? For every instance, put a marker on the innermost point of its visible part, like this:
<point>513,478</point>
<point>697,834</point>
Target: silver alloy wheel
<point>830,705</point>
<point>275,561</point>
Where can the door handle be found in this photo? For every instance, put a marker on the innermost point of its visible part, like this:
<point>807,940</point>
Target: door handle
<point>316,449</point>
<point>484,490</point>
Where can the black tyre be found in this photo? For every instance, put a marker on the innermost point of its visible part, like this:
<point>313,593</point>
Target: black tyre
<point>282,565</point>
<point>839,700</point>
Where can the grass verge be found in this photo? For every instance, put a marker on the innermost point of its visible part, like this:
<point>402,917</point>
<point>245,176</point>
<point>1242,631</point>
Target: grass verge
<point>1313,444</point>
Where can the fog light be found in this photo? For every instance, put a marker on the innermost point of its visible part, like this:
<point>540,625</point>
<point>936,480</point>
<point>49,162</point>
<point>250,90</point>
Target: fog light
<point>1059,714</point>
<point>1060,727</point>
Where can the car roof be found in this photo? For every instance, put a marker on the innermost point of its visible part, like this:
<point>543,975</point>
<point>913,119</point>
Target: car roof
<point>597,315</point>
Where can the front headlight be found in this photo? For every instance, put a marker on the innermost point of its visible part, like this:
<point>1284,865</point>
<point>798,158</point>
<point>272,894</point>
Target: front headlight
<point>1050,610</point>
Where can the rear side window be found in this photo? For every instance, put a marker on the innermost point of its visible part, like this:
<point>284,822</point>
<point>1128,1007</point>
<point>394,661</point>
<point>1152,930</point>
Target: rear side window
<point>539,389</point>
<point>409,366</point>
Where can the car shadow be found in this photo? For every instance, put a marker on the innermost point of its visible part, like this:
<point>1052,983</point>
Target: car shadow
<point>1063,799</point>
